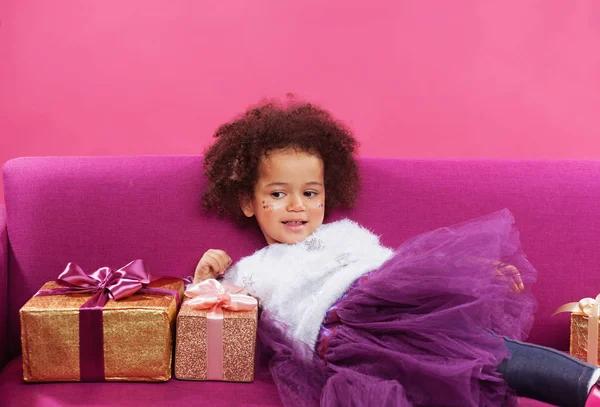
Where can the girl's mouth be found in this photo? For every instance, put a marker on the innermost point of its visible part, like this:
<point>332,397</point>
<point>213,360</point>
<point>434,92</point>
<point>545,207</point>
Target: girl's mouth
<point>294,225</point>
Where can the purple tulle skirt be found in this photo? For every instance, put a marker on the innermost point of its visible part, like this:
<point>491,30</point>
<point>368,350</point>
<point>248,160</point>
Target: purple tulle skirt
<point>425,329</point>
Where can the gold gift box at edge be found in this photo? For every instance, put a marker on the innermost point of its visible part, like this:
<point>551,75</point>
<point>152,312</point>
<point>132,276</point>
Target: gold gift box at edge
<point>578,344</point>
<point>138,335</point>
<point>239,342</point>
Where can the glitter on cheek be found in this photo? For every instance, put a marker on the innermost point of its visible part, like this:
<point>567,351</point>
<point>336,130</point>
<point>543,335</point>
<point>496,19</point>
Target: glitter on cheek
<point>266,206</point>
<point>320,205</point>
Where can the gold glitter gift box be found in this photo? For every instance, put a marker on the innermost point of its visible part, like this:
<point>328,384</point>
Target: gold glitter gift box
<point>584,330</point>
<point>224,352</point>
<point>137,335</point>
<point>578,345</point>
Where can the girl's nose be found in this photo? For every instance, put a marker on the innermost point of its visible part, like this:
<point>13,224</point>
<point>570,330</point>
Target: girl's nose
<point>295,204</point>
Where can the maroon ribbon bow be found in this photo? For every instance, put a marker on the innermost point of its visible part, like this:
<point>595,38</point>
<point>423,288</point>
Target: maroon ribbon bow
<point>106,284</point>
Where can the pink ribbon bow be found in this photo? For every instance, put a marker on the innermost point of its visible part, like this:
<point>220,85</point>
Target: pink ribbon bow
<point>121,283</point>
<point>105,283</point>
<point>211,294</point>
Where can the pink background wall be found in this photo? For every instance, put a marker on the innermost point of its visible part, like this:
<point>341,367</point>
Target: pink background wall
<point>467,78</point>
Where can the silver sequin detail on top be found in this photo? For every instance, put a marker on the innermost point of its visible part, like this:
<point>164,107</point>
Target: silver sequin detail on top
<point>313,244</point>
<point>248,282</point>
<point>343,259</point>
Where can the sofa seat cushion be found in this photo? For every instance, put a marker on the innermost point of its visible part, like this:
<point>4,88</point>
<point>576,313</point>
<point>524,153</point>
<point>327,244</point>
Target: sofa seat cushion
<point>523,402</point>
<point>15,393</point>
<point>261,392</point>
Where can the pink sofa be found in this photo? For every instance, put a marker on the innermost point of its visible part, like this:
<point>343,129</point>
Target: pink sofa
<point>98,211</point>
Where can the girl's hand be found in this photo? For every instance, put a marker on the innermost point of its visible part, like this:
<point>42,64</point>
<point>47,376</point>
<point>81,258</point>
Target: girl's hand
<point>212,265</point>
<point>511,274</point>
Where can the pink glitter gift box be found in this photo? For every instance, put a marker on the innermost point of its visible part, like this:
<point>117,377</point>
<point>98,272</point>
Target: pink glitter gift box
<point>216,334</point>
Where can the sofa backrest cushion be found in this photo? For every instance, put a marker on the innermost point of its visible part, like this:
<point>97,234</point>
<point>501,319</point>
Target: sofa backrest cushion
<point>106,211</point>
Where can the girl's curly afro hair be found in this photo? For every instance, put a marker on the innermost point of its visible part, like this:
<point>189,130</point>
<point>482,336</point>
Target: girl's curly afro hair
<point>231,163</point>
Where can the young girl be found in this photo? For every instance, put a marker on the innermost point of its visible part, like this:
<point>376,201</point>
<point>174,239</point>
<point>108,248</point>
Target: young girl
<point>346,321</point>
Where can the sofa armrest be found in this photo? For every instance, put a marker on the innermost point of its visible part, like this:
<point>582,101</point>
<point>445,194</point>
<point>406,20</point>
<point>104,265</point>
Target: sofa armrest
<point>3,288</point>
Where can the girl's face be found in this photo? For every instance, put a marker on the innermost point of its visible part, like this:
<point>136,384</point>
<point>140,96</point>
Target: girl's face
<point>289,196</point>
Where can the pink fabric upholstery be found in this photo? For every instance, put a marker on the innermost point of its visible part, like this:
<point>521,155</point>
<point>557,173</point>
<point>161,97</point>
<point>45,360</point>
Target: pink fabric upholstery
<point>15,393</point>
<point>532,403</point>
<point>100,211</point>
<point>3,288</point>
<point>262,392</point>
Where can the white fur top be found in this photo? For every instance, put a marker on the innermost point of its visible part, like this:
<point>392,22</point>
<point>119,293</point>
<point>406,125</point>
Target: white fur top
<point>299,282</point>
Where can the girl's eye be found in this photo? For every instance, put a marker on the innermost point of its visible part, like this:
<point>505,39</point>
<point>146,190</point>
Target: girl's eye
<point>277,194</point>
<point>310,194</point>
